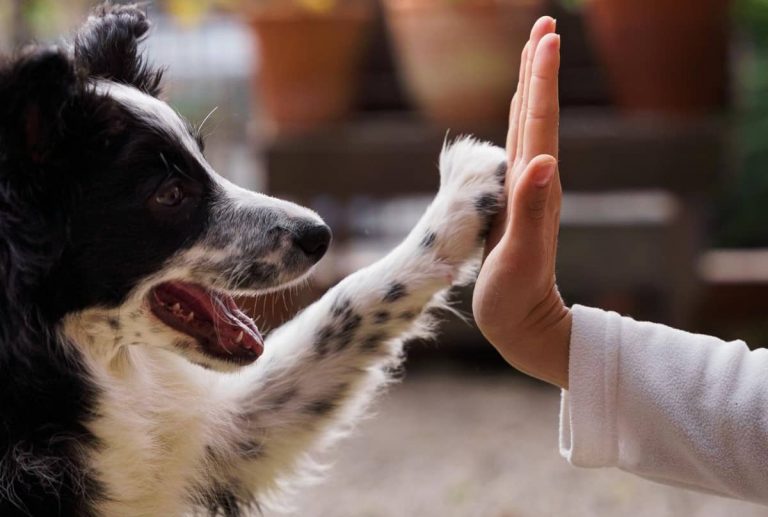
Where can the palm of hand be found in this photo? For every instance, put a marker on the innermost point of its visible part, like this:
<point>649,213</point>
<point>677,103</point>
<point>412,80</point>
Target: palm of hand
<point>516,303</point>
<point>515,290</point>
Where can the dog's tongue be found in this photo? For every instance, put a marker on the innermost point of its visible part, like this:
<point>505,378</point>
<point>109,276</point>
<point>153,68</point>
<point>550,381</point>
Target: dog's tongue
<point>212,317</point>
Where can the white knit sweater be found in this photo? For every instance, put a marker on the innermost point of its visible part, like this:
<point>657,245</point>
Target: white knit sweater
<point>678,408</point>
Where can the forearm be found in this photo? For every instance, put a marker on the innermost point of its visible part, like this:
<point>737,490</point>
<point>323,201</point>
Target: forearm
<point>679,408</point>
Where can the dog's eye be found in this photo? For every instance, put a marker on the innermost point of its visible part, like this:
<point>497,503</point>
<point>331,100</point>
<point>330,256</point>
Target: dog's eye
<point>170,194</point>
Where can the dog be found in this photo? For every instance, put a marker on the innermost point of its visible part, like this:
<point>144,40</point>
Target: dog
<point>130,382</point>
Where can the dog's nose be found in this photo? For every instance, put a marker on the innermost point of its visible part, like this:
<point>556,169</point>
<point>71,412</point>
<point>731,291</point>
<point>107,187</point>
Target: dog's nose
<point>313,239</point>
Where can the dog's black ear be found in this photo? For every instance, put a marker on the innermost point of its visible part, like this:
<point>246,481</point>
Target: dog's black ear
<point>35,90</point>
<point>107,46</point>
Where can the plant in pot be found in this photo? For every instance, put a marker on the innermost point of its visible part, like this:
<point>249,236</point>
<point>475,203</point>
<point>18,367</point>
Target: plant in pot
<point>311,52</point>
<point>459,58</point>
<point>662,56</point>
<point>742,218</point>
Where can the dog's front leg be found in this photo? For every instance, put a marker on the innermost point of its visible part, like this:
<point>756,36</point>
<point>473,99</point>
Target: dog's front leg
<point>319,369</point>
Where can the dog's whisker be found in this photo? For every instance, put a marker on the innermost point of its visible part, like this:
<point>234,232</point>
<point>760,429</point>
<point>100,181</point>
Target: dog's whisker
<point>285,304</point>
<point>205,119</point>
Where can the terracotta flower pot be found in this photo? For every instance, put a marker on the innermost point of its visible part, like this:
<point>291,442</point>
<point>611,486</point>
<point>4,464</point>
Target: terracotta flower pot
<point>459,59</point>
<point>309,64</point>
<point>665,56</point>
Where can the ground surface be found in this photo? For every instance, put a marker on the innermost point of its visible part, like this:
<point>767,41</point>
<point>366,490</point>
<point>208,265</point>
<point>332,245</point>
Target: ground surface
<point>447,444</point>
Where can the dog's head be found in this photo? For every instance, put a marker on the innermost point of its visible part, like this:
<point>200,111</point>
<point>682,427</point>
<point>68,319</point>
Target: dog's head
<point>138,228</point>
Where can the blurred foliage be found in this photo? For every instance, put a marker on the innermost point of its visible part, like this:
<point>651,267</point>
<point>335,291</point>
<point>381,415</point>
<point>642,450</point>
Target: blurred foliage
<point>192,11</point>
<point>189,12</point>
<point>572,5</point>
<point>744,219</point>
<point>47,18</point>
<point>752,15</point>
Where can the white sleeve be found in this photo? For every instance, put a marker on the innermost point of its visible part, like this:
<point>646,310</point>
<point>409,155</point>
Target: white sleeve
<point>678,408</point>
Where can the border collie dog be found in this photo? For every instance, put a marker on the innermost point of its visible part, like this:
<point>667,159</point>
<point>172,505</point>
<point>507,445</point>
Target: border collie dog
<point>130,382</point>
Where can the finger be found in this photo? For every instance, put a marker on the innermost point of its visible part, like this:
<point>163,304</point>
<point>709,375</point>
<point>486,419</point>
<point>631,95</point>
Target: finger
<point>554,206</point>
<point>514,110</point>
<point>543,107</point>
<point>542,27</point>
<point>530,224</point>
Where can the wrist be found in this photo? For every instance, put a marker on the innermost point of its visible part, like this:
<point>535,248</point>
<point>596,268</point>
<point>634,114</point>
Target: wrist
<point>543,351</point>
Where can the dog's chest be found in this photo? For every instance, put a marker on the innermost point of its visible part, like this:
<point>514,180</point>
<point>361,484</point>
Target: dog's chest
<point>152,434</point>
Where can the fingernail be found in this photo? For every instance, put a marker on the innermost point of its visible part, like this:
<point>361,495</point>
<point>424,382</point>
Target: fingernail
<point>544,175</point>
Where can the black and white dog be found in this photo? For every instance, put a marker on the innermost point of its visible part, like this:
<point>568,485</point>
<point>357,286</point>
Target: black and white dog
<point>130,382</point>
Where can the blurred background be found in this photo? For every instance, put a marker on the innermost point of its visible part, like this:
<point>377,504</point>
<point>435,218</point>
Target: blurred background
<point>342,105</point>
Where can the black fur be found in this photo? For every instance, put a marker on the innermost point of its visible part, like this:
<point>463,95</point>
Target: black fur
<point>108,47</point>
<point>324,405</point>
<point>501,172</point>
<point>373,342</point>
<point>340,332</point>
<point>222,500</point>
<point>285,397</point>
<point>82,223</point>
<point>68,237</point>
<point>340,307</point>
<point>395,292</point>
<point>348,326</point>
<point>487,205</point>
<point>429,240</point>
<point>45,398</point>
<point>320,407</point>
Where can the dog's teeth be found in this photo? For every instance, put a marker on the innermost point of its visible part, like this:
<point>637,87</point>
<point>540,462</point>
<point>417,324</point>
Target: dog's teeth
<point>190,317</point>
<point>239,338</point>
<point>176,308</point>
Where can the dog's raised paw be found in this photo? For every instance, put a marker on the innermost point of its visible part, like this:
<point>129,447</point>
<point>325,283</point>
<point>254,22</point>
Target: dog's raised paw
<point>471,193</point>
<point>468,160</point>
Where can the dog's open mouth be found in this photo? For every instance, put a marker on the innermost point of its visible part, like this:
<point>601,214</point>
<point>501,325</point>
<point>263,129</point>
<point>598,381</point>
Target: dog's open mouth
<point>212,318</point>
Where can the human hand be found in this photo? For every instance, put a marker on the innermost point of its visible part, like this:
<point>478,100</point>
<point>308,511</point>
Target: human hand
<point>516,303</point>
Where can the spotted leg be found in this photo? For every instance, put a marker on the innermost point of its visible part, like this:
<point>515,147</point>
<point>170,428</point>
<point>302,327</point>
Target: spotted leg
<point>321,368</point>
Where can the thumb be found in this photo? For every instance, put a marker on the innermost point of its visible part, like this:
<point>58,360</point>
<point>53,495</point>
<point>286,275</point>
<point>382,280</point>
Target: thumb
<point>530,200</point>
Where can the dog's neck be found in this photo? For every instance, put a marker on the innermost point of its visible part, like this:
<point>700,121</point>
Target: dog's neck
<point>113,342</point>
<point>99,335</point>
